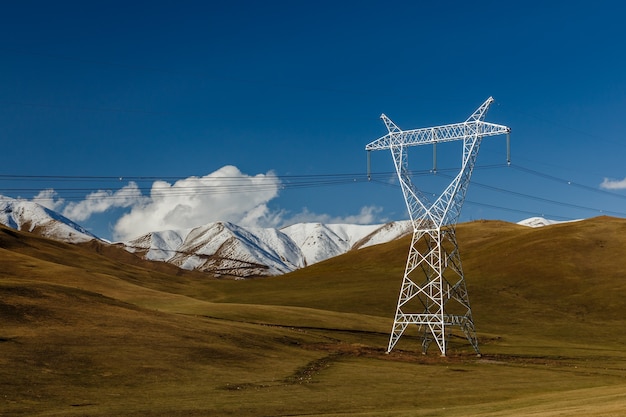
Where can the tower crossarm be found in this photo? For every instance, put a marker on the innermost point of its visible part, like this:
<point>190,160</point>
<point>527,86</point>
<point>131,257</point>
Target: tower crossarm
<point>436,134</point>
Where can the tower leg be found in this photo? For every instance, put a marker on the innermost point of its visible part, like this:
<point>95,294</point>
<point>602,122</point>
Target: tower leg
<point>435,304</point>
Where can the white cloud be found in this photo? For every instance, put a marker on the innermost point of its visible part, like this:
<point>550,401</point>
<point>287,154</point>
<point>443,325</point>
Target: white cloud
<point>367,215</point>
<point>101,201</point>
<point>49,199</point>
<point>262,216</point>
<point>224,195</point>
<point>608,184</point>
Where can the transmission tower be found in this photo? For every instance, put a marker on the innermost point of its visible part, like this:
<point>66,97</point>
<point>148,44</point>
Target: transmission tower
<point>436,299</point>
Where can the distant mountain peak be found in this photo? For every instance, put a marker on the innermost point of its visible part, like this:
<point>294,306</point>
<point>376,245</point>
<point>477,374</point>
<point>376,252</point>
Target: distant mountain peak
<point>541,222</point>
<point>32,217</point>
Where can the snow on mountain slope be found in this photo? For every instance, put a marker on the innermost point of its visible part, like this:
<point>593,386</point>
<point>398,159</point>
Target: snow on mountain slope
<point>322,241</point>
<point>385,233</point>
<point>227,249</point>
<point>33,217</point>
<point>540,222</point>
<point>288,251</point>
<point>222,248</point>
<point>158,246</point>
<point>317,241</point>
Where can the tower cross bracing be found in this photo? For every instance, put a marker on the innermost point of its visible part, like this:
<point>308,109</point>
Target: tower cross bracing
<point>437,298</point>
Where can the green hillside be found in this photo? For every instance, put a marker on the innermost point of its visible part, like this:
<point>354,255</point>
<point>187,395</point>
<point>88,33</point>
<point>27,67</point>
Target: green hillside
<point>94,331</point>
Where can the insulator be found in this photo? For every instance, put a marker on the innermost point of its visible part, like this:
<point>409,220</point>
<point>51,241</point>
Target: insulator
<point>508,148</point>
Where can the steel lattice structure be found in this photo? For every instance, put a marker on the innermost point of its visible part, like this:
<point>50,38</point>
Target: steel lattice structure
<point>437,298</point>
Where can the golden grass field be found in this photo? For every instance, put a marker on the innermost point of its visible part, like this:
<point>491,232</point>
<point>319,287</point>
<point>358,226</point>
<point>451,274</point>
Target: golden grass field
<point>94,331</point>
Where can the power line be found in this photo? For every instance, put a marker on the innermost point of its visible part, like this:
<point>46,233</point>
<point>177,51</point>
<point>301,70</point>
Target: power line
<point>193,186</point>
<point>542,199</point>
<point>567,182</point>
<point>537,198</point>
<point>491,206</point>
<point>231,184</point>
<point>519,211</point>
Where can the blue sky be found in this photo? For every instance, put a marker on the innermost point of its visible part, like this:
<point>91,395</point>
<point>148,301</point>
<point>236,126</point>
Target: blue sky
<point>114,113</point>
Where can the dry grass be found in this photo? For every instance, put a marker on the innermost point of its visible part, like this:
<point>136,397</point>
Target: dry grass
<point>93,331</point>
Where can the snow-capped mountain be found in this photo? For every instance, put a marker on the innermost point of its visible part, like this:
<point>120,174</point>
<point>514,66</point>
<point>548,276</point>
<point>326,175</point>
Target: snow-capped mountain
<point>221,248</point>
<point>540,222</point>
<point>228,249</point>
<point>318,242</point>
<point>224,248</point>
<point>33,217</point>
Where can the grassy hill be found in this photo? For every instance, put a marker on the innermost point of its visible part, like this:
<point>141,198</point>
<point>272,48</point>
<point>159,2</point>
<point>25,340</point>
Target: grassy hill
<point>94,331</point>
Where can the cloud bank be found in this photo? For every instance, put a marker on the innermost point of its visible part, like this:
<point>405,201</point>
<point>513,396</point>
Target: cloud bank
<point>224,195</point>
<point>101,201</point>
<point>49,199</point>
<point>367,215</point>
<point>609,184</point>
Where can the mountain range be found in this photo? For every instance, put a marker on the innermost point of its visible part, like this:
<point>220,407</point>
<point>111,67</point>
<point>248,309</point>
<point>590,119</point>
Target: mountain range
<point>228,249</point>
<point>221,248</point>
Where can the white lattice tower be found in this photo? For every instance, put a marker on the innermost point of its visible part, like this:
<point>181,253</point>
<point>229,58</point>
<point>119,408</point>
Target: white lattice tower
<point>437,298</point>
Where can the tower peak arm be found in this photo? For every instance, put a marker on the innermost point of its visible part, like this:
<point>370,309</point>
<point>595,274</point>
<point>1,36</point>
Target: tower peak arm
<point>391,126</point>
<point>480,113</point>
